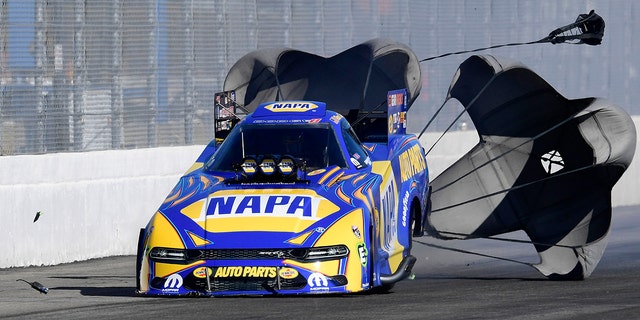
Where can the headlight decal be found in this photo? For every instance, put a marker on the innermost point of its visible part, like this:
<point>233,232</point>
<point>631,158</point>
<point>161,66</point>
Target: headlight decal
<point>165,233</point>
<point>299,240</point>
<point>197,240</point>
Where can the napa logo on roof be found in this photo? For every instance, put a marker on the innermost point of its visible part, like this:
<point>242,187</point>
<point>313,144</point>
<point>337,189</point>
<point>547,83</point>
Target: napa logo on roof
<point>291,106</point>
<point>284,110</point>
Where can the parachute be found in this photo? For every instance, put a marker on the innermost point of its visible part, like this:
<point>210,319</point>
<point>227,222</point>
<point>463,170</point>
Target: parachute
<point>544,164</point>
<point>355,80</point>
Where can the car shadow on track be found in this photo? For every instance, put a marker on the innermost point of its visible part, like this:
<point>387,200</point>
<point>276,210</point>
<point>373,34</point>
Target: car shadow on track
<point>125,287</point>
<point>101,291</point>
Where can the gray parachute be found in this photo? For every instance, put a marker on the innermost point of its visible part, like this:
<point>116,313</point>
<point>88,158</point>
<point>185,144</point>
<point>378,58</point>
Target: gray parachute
<point>544,164</point>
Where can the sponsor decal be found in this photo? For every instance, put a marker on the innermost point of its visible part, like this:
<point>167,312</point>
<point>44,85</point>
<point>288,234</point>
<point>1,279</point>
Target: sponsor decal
<point>202,272</point>
<point>405,208</point>
<point>291,106</point>
<point>318,282</point>
<point>288,273</point>
<point>173,282</point>
<point>280,121</point>
<point>396,101</point>
<point>286,165</point>
<point>412,162</point>
<point>283,205</point>
<point>390,124</point>
<point>249,166</point>
<point>356,232</point>
<point>245,272</point>
<point>336,118</point>
<point>319,229</point>
<point>389,214</point>
<point>268,166</point>
<point>397,121</point>
<point>363,253</point>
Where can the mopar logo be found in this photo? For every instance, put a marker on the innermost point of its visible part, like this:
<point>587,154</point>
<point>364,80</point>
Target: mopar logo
<point>317,281</point>
<point>291,107</point>
<point>269,205</point>
<point>174,281</point>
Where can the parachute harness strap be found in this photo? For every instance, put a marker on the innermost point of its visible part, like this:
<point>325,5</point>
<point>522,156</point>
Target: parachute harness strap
<point>498,239</point>
<point>471,252</point>
<point>508,240</point>
<point>588,29</point>
<point>459,114</point>
<point>520,186</point>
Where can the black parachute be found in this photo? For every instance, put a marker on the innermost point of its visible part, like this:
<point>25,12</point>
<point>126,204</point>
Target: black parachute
<point>544,164</point>
<point>354,81</point>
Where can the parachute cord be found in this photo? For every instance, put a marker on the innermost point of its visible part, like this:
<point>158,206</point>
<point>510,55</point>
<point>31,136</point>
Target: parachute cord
<point>486,48</point>
<point>433,118</point>
<point>354,123</point>
<point>520,186</point>
<point>446,130</point>
<point>472,253</point>
<point>466,108</point>
<point>508,240</point>
<point>514,148</point>
<point>579,30</point>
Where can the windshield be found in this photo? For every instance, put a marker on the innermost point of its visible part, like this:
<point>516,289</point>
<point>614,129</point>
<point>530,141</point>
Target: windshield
<point>316,144</point>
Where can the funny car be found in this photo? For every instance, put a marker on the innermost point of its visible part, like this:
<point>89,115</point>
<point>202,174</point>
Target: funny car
<point>291,202</point>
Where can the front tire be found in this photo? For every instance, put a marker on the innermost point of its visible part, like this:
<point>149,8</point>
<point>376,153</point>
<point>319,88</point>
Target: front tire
<point>139,256</point>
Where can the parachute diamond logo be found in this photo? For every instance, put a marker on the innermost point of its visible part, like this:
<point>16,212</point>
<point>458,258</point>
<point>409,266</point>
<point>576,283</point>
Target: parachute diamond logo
<point>552,161</point>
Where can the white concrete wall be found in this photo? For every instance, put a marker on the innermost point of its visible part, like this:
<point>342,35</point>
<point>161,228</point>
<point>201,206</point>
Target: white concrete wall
<point>94,203</point>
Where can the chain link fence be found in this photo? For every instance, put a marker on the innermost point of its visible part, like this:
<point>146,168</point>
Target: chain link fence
<point>81,75</point>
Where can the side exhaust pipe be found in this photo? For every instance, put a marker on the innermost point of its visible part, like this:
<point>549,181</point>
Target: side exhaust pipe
<point>404,270</point>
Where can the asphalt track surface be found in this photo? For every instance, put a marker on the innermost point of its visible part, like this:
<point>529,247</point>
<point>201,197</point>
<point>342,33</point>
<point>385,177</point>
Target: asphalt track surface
<point>447,285</point>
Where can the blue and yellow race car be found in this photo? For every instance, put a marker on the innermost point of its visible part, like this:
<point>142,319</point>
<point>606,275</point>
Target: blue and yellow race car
<point>290,203</point>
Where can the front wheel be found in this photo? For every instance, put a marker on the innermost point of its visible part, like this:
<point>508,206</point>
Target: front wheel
<point>382,288</point>
<point>140,254</point>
